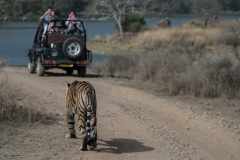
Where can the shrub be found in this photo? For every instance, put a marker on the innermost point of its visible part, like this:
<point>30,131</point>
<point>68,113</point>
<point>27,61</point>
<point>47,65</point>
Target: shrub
<point>133,23</point>
<point>10,111</point>
<point>98,39</point>
<point>230,34</point>
<point>175,72</point>
<point>192,24</point>
<point>117,64</point>
<point>18,15</point>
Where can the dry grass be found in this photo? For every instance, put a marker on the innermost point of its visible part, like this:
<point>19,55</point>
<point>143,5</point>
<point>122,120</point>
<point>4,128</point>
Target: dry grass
<point>199,61</point>
<point>11,111</point>
<point>173,36</point>
<point>187,38</point>
<point>193,38</point>
<point>176,73</point>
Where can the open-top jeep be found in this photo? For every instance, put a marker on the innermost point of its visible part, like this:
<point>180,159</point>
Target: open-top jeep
<point>67,51</point>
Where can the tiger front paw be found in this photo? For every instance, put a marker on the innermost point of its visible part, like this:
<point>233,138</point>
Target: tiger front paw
<point>70,135</point>
<point>83,148</point>
<point>92,147</point>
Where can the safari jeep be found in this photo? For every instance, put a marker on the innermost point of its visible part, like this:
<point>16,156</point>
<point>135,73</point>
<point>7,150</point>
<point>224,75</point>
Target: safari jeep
<point>59,50</point>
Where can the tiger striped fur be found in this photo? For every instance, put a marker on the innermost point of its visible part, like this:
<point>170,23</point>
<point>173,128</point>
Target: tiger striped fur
<point>81,100</point>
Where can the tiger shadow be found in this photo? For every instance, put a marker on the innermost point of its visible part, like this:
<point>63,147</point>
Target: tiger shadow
<point>122,145</point>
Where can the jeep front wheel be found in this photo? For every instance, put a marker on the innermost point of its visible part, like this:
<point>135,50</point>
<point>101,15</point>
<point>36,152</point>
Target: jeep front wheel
<point>40,69</point>
<point>31,68</point>
<point>72,48</point>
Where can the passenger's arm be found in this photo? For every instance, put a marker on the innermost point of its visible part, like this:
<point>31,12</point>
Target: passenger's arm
<point>67,22</point>
<point>41,18</point>
<point>78,24</point>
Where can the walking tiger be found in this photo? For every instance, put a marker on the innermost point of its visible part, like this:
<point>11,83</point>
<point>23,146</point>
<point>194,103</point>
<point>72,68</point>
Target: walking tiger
<point>81,100</point>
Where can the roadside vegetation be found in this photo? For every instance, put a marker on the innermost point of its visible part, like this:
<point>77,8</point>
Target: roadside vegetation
<point>189,60</point>
<point>12,112</point>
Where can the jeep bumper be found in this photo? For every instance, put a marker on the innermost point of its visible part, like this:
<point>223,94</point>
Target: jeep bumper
<point>68,63</point>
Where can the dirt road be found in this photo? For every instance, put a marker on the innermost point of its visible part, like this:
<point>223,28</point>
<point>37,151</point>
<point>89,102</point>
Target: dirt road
<point>132,124</point>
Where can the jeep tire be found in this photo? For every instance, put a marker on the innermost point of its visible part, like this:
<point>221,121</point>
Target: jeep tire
<point>82,71</point>
<point>40,69</point>
<point>31,68</point>
<point>69,71</point>
<point>72,48</point>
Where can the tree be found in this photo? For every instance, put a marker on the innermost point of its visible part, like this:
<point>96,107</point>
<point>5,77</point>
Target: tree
<point>206,7</point>
<point>160,7</point>
<point>233,36</point>
<point>118,8</point>
<point>133,23</point>
<point>63,7</point>
<point>227,5</point>
<point>76,5</point>
<point>183,6</point>
<point>1,4</point>
<point>20,3</point>
<point>32,6</point>
<point>114,8</point>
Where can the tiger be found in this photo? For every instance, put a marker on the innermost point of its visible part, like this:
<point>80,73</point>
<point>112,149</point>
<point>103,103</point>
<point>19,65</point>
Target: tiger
<point>81,100</point>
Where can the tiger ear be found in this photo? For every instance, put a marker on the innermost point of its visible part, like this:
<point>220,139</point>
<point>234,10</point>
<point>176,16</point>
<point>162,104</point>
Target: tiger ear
<point>67,86</point>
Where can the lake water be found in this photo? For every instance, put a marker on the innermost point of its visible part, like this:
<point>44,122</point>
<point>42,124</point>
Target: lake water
<point>17,37</point>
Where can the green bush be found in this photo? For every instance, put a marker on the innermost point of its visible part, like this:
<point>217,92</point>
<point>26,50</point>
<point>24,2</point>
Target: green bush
<point>193,24</point>
<point>133,23</point>
<point>18,14</point>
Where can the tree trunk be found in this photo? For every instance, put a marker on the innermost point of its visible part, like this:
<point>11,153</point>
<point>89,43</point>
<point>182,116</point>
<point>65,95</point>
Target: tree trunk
<point>121,31</point>
<point>118,20</point>
<point>132,7</point>
<point>20,7</point>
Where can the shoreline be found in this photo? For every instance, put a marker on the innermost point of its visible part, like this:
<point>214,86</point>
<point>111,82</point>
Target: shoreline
<point>36,18</point>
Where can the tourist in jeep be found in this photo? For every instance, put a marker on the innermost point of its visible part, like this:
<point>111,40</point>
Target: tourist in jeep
<point>63,28</point>
<point>71,20</point>
<point>47,17</point>
<point>52,27</point>
<point>75,29</point>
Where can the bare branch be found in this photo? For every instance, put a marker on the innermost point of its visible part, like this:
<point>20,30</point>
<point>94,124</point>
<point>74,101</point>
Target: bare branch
<point>206,7</point>
<point>118,8</point>
<point>114,8</point>
<point>160,7</point>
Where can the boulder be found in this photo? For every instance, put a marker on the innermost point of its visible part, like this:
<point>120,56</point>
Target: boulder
<point>165,23</point>
<point>24,19</point>
<point>5,19</point>
<point>1,63</point>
